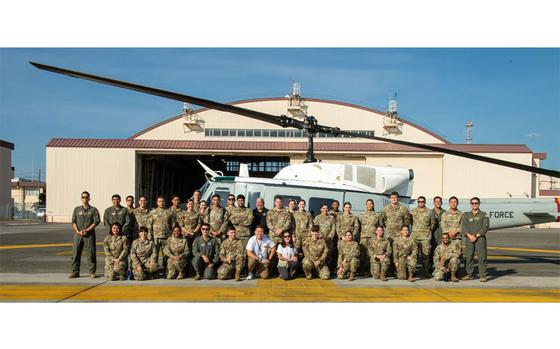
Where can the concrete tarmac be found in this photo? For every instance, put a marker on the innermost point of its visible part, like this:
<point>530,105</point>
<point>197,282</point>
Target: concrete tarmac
<point>523,266</point>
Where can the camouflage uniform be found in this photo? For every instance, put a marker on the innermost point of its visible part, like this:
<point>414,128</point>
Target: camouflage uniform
<point>451,261</point>
<point>175,212</point>
<point>316,250</point>
<point>141,217</point>
<point>423,223</point>
<point>475,224</point>
<point>217,217</point>
<point>117,215</point>
<point>348,258</point>
<point>451,222</point>
<point>393,218</point>
<point>369,221</point>
<point>302,227</point>
<point>176,247</point>
<point>189,221</point>
<point>327,229</point>
<point>229,209</point>
<point>278,219</point>
<point>236,250</point>
<point>159,226</point>
<point>209,248</point>
<point>115,246</point>
<point>131,224</point>
<point>347,222</point>
<point>242,218</point>
<point>378,247</point>
<point>196,206</point>
<point>203,215</point>
<point>83,218</point>
<point>144,259</point>
<point>436,235</point>
<point>402,249</point>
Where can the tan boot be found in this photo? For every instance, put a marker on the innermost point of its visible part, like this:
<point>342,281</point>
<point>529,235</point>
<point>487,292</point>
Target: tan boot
<point>181,276</point>
<point>352,277</point>
<point>410,275</point>
<point>454,276</point>
<point>237,275</point>
<point>382,277</point>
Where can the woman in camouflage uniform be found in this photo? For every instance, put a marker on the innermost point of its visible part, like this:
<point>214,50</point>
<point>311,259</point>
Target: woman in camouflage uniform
<point>116,250</point>
<point>143,255</point>
<point>178,251</point>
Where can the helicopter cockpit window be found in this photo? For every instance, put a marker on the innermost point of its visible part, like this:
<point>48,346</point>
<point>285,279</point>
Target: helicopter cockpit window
<point>315,205</point>
<point>224,193</point>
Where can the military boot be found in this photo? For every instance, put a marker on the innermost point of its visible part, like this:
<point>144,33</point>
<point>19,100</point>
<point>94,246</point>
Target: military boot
<point>382,277</point>
<point>467,277</point>
<point>238,275</point>
<point>352,277</point>
<point>74,275</point>
<point>308,276</point>
<point>411,275</point>
<point>454,276</point>
<point>181,276</point>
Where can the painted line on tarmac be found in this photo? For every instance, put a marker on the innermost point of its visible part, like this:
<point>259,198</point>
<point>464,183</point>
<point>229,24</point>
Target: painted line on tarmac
<point>522,249</point>
<point>13,247</point>
<point>314,291</point>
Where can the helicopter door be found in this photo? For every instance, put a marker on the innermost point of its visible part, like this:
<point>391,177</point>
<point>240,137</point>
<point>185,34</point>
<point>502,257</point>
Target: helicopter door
<point>254,191</point>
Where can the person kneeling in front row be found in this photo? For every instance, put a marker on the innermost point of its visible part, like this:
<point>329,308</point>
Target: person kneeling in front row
<point>260,250</point>
<point>287,253</point>
<point>206,254</point>
<point>143,256</point>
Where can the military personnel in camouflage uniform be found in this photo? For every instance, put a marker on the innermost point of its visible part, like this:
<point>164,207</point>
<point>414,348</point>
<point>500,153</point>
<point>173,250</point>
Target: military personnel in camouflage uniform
<point>175,209</point>
<point>405,251</point>
<point>143,255</point>
<point>203,212</point>
<point>423,223</point>
<point>217,218</point>
<point>177,251</point>
<point>316,251</point>
<point>445,259</point>
<point>196,200</point>
<point>451,223</point>
<point>474,227</point>
<point>189,221</point>
<point>278,220</point>
<point>380,252</point>
<point>347,222</point>
<point>232,255</point>
<point>393,217</point>
<point>348,257</point>
<point>369,221</point>
<point>334,211</point>
<point>438,212</point>
<point>230,203</point>
<point>160,223</point>
<point>302,225</point>
<point>241,218</point>
<point>84,220</point>
<point>206,254</point>
<point>327,230</point>
<point>141,216</point>
<point>116,249</point>
<point>117,214</point>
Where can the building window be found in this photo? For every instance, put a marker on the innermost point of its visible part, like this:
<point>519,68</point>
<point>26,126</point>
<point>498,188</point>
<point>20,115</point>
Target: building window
<point>274,133</point>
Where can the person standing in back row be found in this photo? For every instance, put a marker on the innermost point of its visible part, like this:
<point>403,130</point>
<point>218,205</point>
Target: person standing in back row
<point>84,220</point>
<point>474,226</point>
<point>117,214</point>
<point>423,223</point>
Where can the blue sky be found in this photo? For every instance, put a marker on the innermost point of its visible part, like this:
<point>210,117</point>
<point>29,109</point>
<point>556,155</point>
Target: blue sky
<point>511,95</point>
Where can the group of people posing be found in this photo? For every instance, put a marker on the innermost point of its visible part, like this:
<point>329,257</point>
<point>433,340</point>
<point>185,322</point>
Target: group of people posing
<point>224,243</point>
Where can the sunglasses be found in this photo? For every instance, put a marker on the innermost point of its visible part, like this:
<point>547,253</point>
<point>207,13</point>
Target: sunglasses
<point>85,197</point>
<point>204,229</point>
<point>286,236</point>
<point>231,199</point>
<point>421,201</point>
<point>475,203</point>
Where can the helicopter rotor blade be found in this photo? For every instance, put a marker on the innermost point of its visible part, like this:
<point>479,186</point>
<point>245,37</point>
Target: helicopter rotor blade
<point>285,121</point>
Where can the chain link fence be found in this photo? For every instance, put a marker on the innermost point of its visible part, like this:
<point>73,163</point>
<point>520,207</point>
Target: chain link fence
<point>27,212</point>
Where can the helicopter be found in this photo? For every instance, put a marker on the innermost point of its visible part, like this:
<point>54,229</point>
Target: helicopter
<point>320,183</point>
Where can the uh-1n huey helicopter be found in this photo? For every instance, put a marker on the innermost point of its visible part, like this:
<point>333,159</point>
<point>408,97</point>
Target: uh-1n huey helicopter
<point>319,183</point>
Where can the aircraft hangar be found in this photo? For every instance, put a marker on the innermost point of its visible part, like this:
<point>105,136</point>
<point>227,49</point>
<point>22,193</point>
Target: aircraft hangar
<point>161,160</point>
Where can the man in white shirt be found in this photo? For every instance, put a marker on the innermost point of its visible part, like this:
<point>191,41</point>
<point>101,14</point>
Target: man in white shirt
<point>260,250</point>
